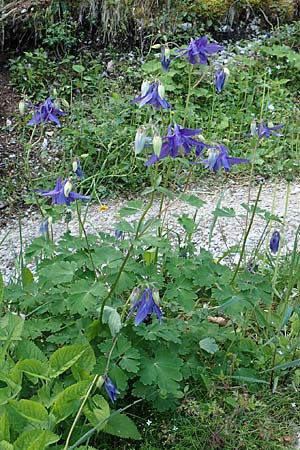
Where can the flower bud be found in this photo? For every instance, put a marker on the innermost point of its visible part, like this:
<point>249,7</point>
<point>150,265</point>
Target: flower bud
<point>226,71</point>
<point>22,107</point>
<point>144,88</point>
<point>155,46</point>
<point>253,128</point>
<point>155,295</point>
<point>134,295</point>
<point>67,188</point>
<point>161,90</point>
<point>140,140</point>
<point>167,53</point>
<point>74,166</point>
<point>157,144</point>
<point>55,92</point>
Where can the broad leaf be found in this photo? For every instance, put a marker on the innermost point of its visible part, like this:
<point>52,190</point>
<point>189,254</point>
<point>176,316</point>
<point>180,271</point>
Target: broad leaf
<point>209,345</point>
<point>121,426</point>
<point>58,272</point>
<point>64,358</point>
<point>113,319</point>
<point>68,401</point>
<point>35,440</point>
<point>99,412</point>
<point>4,428</point>
<point>32,411</point>
<point>33,368</point>
<point>27,276</point>
<point>192,200</point>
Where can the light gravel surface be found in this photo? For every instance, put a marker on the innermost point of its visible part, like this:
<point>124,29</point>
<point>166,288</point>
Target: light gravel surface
<point>227,232</point>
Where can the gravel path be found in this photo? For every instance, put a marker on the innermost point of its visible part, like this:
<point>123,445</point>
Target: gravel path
<point>227,232</point>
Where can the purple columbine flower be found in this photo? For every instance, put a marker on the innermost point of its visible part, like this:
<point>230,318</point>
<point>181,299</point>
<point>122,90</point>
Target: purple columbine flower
<point>178,142</point>
<point>199,49</point>
<point>46,113</point>
<point>111,389</point>
<point>274,242</point>
<point>220,78</point>
<point>165,58</point>
<point>145,307</point>
<point>219,157</point>
<point>62,194</point>
<point>264,131</point>
<point>153,96</point>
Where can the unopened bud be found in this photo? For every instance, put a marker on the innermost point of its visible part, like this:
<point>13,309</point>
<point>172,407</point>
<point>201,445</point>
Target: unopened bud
<point>253,128</point>
<point>161,90</point>
<point>155,295</point>
<point>74,166</point>
<point>55,92</point>
<point>140,140</point>
<point>167,53</point>
<point>22,107</point>
<point>134,295</point>
<point>157,144</point>
<point>155,46</point>
<point>226,71</point>
<point>145,87</point>
<point>67,188</point>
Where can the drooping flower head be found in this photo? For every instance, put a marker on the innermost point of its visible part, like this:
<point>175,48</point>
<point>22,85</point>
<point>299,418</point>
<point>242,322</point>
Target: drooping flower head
<point>199,49</point>
<point>154,95</point>
<point>274,242</point>
<point>77,169</point>
<point>165,58</point>
<point>111,389</point>
<point>178,142</point>
<point>218,157</point>
<point>46,113</point>
<point>62,194</point>
<point>146,306</point>
<point>220,78</point>
<point>264,131</point>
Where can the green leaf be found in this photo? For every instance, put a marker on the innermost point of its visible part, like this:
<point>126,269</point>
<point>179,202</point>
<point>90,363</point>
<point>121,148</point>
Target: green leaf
<point>59,272</point>
<point>131,207</point>
<point>68,401</point>
<point>83,296</point>
<point>32,411</point>
<point>29,350</point>
<point>113,319</point>
<point>4,445</point>
<point>33,368</point>
<point>4,428</point>
<point>99,413</point>
<point>64,358</point>
<point>192,200</point>
<point>163,370</point>
<point>120,425</point>
<point>1,288</point>
<point>209,345</point>
<point>224,212</point>
<point>35,440</point>
<point>27,277</point>
<point>287,365</point>
<point>78,68</point>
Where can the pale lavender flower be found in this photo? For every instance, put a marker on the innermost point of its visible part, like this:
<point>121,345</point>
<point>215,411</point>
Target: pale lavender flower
<point>219,157</point>
<point>221,75</point>
<point>263,131</point>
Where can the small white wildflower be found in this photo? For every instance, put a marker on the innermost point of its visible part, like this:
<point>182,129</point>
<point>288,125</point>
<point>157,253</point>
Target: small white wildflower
<point>271,107</point>
<point>175,428</point>
<point>293,405</point>
<point>148,422</point>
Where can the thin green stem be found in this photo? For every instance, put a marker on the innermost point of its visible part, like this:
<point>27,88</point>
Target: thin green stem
<point>247,234</point>
<point>81,226</point>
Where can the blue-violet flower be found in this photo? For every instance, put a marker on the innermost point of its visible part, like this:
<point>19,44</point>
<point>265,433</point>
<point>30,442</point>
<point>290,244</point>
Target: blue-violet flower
<point>199,49</point>
<point>62,194</point>
<point>264,131</point>
<point>274,242</point>
<point>153,96</point>
<point>111,389</point>
<point>165,58</point>
<point>221,75</point>
<point>78,169</point>
<point>178,142</point>
<point>218,157</point>
<point>145,307</point>
<point>46,113</point>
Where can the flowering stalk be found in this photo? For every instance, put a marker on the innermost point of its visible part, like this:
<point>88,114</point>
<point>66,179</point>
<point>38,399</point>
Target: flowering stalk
<point>247,234</point>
